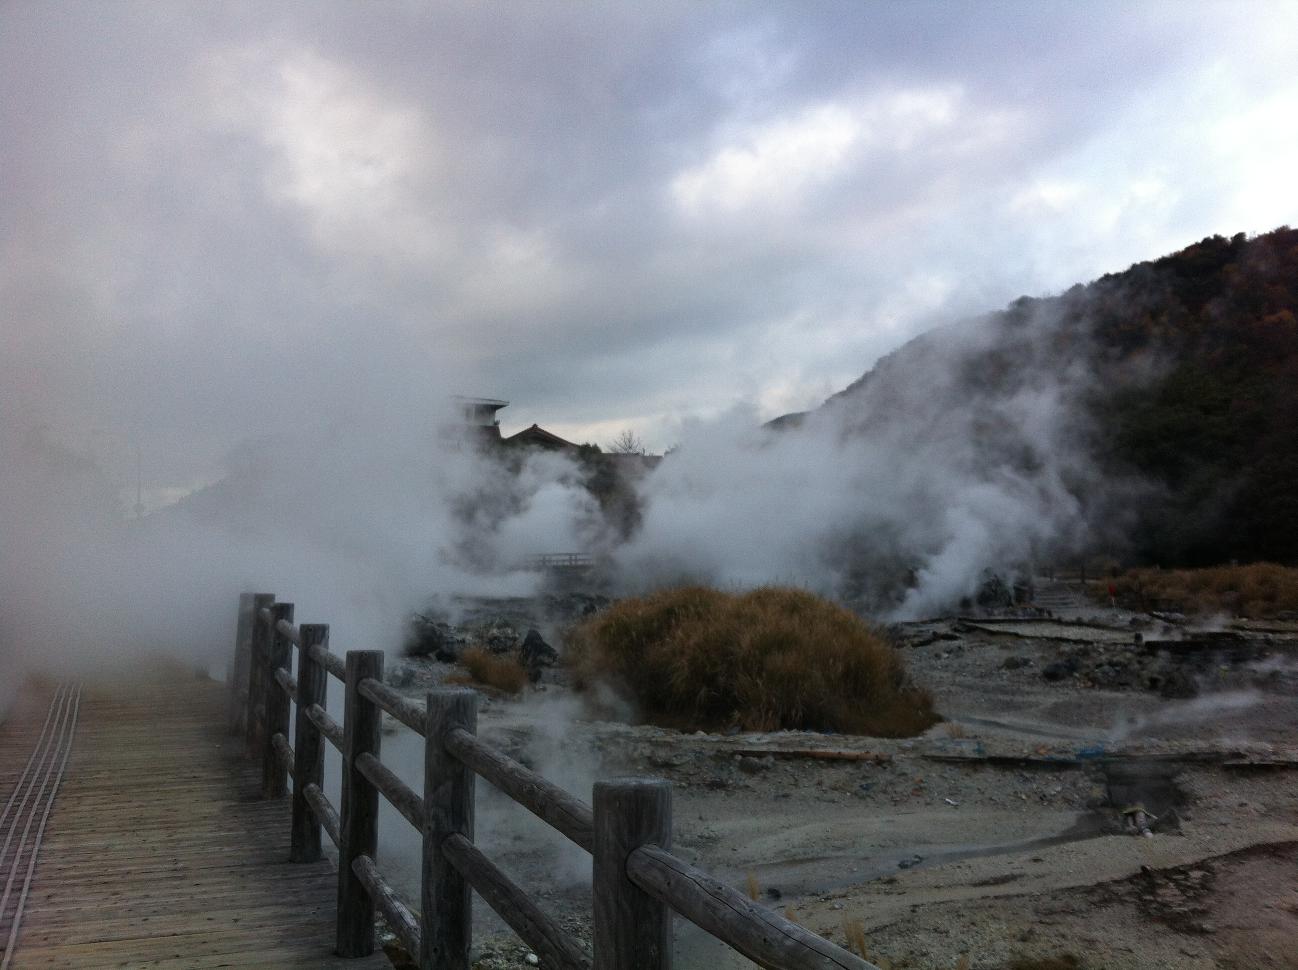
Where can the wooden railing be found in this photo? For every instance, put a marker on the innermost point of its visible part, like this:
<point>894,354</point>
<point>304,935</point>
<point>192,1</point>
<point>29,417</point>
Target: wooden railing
<point>560,560</point>
<point>637,882</point>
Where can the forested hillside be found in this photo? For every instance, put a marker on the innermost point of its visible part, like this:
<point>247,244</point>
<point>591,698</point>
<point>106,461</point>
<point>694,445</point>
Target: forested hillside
<point>1180,376</point>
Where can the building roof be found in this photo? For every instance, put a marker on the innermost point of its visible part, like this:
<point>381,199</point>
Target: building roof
<point>538,435</point>
<point>486,402</point>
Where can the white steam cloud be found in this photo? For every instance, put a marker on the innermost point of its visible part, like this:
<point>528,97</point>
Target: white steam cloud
<point>968,450</point>
<point>357,526</point>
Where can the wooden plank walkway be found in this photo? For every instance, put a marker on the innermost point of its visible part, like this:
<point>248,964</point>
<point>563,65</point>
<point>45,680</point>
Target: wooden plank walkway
<point>158,852</point>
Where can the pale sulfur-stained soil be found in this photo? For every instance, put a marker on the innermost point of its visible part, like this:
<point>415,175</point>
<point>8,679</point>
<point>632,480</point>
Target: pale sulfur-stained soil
<point>995,837</point>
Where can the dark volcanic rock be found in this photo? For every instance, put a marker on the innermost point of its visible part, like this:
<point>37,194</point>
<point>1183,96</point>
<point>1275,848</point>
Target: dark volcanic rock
<point>536,654</point>
<point>498,638</point>
<point>1061,669</point>
<point>431,637</point>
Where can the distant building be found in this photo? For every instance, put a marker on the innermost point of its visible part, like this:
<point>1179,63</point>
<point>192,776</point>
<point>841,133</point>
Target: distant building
<point>480,412</point>
<point>475,420</point>
<point>538,437</point>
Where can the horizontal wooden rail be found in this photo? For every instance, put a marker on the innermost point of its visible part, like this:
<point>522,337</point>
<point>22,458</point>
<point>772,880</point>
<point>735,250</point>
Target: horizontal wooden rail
<point>533,927</point>
<point>331,662</point>
<point>544,799</point>
<point>287,681</point>
<point>637,883</point>
<point>762,935</point>
<point>329,729</point>
<point>401,795</point>
<point>406,711</point>
<point>283,752</point>
<point>399,919</point>
<point>324,811</point>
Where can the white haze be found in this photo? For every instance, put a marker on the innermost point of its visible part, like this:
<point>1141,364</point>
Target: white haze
<point>287,233</point>
<point>357,523</point>
<point>901,493</point>
<point>896,497</point>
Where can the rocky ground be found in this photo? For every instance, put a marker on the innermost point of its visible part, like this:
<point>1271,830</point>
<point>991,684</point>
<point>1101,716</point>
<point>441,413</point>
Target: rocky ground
<point>1007,833</point>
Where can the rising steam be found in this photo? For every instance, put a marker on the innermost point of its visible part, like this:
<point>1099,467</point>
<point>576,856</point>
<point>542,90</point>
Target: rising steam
<point>966,451</point>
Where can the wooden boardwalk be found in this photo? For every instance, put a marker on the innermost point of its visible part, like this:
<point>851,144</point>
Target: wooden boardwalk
<point>158,851</point>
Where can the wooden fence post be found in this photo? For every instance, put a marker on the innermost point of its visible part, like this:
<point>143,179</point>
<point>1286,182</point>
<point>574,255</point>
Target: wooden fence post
<point>239,669</point>
<point>308,745</point>
<point>258,646</point>
<point>633,931</point>
<point>360,806</point>
<point>445,907</point>
<point>279,653</point>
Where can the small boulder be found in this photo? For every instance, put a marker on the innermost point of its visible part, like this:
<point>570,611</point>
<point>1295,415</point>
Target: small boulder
<point>430,637</point>
<point>499,638</point>
<point>1060,669</point>
<point>751,766</point>
<point>535,654</point>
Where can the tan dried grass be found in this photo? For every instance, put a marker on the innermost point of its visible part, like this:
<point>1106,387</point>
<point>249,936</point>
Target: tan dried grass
<point>504,673</point>
<point>698,658</point>
<point>1259,590</point>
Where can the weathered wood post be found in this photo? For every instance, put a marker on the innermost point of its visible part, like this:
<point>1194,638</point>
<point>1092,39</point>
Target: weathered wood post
<point>308,745</point>
<point>633,931</point>
<point>360,806</point>
<point>279,653</point>
<point>446,915</point>
<point>258,645</point>
<point>238,714</point>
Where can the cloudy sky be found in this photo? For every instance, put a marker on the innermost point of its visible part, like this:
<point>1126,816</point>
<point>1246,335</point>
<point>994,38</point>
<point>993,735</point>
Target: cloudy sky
<point>228,219</point>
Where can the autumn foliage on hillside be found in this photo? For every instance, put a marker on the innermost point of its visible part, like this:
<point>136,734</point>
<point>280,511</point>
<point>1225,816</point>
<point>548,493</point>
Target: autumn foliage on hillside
<point>1181,380</point>
<point>1217,428</point>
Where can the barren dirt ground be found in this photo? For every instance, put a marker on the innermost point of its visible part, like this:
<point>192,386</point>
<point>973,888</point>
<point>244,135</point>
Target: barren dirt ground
<point>998,836</point>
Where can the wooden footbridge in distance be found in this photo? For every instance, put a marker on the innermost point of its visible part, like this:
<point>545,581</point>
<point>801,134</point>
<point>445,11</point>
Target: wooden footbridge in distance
<point>149,822</point>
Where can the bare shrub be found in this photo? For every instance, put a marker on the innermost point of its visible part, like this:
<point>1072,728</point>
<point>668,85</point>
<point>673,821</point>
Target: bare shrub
<point>854,935</point>
<point>1257,590</point>
<point>772,658</point>
<point>504,673</point>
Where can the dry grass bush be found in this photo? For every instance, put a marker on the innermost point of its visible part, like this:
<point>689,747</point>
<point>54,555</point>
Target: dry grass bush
<point>504,673</point>
<point>1258,590</point>
<point>854,937</point>
<point>698,658</point>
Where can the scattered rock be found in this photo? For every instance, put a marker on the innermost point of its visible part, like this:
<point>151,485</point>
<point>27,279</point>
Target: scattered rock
<point>536,654</point>
<point>433,637</point>
<point>498,637</point>
<point>753,766</point>
<point>1060,669</point>
<point>401,677</point>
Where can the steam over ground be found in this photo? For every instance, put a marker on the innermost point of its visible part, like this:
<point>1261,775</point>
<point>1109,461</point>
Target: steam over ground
<point>945,461</point>
<point>357,526</point>
<point>248,252</point>
<point>897,495</point>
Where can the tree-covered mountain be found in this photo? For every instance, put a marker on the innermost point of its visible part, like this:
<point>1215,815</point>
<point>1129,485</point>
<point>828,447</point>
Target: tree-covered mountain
<point>1173,385</point>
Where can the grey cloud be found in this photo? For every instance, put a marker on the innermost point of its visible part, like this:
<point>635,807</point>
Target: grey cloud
<point>227,219</point>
